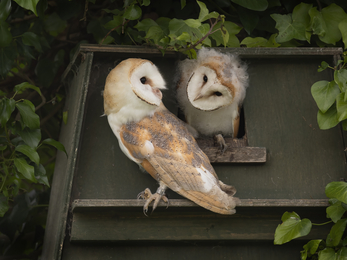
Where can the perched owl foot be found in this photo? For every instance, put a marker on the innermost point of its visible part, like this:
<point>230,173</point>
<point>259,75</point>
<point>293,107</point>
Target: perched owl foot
<point>149,197</point>
<point>219,140</point>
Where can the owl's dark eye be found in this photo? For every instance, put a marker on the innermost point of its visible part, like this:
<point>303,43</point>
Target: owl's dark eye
<point>143,80</point>
<point>217,93</point>
<point>205,78</point>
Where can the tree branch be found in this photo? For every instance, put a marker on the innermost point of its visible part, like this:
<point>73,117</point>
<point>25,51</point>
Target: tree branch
<point>207,34</point>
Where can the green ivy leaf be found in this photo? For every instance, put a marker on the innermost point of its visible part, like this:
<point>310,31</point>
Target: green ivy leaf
<point>3,205</point>
<point>317,23</point>
<point>260,42</point>
<point>343,29</point>
<point>178,26</point>
<point>133,12</point>
<point>291,228</point>
<point>204,12</point>
<point>341,106</point>
<point>193,23</point>
<point>117,21</point>
<point>256,5</point>
<point>249,19</point>
<point>8,106</point>
<point>40,174</point>
<point>28,115</point>
<point>145,25</point>
<point>232,30</point>
<point>155,33</point>
<point>23,86</point>
<point>54,24</point>
<point>336,233</point>
<point>25,169</point>
<point>325,23</point>
<point>341,254</point>
<point>28,4</point>
<point>5,7</point>
<point>55,144</point>
<point>6,36</point>
<point>327,254</point>
<point>325,93</point>
<point>183,4</point>
<point>31,137</point>
<point>324,65</point>
<point>30,152</point>
<point>293,26</point>
<point>146,2</point>
<point>337,190</point>
<point>7,57</point>
<point>287,215</point>
<point>31,39</point>
<point>335,211</point>
<point>310,248</point>
<point>340,77</point>
<point>328,119</point>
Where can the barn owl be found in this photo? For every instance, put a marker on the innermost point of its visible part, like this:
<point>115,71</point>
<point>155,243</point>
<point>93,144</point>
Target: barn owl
<point>210,91</point>
<point>158,141</point>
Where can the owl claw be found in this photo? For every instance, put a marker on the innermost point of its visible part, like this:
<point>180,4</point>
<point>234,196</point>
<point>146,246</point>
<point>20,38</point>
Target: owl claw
<point>219,140</point>
<point>149,197</point>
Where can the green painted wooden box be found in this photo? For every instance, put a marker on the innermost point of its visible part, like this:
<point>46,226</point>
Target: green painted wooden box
<point>94,214</point>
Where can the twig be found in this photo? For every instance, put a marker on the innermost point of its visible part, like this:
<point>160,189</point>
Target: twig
<point>319,5</point>
<point>124,23</point>
<point>25,18</point>
<point>207,34</point>
<point>85,11</point>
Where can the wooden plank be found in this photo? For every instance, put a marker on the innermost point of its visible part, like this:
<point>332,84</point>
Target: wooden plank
<point>202,250</point>
<point>86,204</point>
<point>65,166</point>
<point>188,225</point>
<point>126,49</point>
<point>245,52</point>
<point>237,151</point>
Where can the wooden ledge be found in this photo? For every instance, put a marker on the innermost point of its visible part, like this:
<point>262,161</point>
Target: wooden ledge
<point>123,203</point>
<point>236,152</point>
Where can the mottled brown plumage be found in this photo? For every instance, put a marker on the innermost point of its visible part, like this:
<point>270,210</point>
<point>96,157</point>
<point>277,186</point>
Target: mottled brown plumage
<point>161,144</point>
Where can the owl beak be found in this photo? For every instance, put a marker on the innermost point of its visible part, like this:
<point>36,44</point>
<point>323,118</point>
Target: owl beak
<point>198,97</point>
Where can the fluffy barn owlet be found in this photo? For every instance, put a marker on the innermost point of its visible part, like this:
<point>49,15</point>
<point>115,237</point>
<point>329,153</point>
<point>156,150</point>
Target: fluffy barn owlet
<point>158,141</point>
<point>210,91</point>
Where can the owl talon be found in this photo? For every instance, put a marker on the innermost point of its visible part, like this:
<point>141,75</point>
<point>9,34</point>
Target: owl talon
<point>219,140</point>
<point>149,197</point>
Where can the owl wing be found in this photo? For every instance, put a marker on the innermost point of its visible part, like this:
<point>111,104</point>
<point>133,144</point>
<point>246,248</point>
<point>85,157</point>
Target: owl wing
<point>170,154</point>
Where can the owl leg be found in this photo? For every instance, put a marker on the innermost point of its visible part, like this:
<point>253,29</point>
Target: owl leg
<point>219,140</point>
<point>156,197</point>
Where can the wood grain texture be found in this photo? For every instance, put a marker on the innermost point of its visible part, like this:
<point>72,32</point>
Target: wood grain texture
<point>185,224</point>
<point>94,204</point>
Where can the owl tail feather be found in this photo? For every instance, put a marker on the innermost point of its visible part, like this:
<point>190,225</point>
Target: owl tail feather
<point>218,201</point>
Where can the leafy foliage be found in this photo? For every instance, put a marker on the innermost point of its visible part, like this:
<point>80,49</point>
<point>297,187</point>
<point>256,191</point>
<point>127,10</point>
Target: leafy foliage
<point>334,247</point>
<point>331,97</point>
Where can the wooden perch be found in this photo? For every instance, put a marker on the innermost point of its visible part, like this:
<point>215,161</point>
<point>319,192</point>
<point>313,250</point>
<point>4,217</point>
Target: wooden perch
<point>236,152</point>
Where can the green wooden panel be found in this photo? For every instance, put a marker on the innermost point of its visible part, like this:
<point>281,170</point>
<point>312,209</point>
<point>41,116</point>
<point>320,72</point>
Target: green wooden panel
<point>249,250</point>
<point>185,224</point>
<point>65,166</point>
<point>280,115</point>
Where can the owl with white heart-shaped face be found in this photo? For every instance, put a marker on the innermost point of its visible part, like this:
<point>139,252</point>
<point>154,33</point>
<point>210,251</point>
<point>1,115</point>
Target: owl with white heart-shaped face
<point>158,141</point>
<point>210,91</point>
